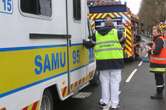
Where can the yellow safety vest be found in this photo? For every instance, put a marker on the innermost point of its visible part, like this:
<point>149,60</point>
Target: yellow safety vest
<point>108,46</point>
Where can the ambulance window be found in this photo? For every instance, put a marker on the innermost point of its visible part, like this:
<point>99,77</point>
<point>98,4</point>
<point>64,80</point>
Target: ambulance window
<point>37,7</point>
<point>77,9</point>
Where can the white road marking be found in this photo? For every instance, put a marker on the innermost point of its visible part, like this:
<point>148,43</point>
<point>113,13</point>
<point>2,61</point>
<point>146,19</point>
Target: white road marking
<point>82,95</point>
<point>107,108</point>
<point>146,55</point>
<point>140,64</point>
<point>131,76</point>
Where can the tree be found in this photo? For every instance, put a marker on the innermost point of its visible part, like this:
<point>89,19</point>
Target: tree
<point>152,12</point>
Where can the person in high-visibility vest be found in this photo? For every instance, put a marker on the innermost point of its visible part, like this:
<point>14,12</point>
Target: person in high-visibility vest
<point>109,61</point>
<point>158,60</point>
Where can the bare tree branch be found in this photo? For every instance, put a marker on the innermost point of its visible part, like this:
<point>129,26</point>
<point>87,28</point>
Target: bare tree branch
<point>152,12</point>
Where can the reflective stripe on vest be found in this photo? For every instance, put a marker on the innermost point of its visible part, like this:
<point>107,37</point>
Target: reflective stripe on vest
<point>109,42</point>
<point>161,58</point>
<point>108,49</point>
<point>108,46</point>
<point>158,69</point>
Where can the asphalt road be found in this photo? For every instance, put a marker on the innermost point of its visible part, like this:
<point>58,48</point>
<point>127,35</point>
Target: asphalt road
<point>136,87</point>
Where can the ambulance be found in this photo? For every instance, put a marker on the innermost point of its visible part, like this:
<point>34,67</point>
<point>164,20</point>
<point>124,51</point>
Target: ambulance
<point>42,57</point>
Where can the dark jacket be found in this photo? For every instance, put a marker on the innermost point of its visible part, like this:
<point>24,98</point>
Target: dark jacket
<point>158,47</point>
<point>105,64</point>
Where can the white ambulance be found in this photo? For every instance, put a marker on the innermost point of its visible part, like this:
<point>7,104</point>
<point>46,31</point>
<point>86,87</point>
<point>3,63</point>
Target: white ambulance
<point>41,53</point>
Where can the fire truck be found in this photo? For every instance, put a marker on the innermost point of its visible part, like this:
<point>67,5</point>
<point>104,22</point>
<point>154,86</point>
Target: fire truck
<point>124,21</point>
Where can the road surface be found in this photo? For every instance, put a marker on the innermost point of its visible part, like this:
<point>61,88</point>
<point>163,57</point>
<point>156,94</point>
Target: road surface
<point>136,87</point>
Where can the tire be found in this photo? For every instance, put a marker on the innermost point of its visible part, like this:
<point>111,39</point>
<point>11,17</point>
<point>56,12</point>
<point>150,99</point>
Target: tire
<point>47,101</point>
<point>95,81</point>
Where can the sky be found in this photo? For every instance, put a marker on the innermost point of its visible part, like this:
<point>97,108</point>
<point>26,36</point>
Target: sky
<point>134,5</point>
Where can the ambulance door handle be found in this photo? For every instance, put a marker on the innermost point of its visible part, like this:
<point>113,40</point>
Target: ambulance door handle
<point>48,36</point>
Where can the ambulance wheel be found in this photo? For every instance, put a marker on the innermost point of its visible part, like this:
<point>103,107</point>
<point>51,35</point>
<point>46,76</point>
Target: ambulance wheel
<point>95,81</point>
<point>47,101</point>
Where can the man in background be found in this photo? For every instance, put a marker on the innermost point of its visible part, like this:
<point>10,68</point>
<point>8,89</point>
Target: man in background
<point>158,60</point>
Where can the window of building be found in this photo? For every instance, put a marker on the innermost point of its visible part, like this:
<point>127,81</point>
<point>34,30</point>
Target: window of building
<point>37,7</point>
<point>77,9</point>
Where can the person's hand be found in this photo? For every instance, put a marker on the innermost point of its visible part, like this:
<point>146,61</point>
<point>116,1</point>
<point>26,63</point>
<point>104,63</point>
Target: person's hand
<point>148,47</point>
<point>84,42</point>
<point>150,44</point>
<point>88,43</point>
